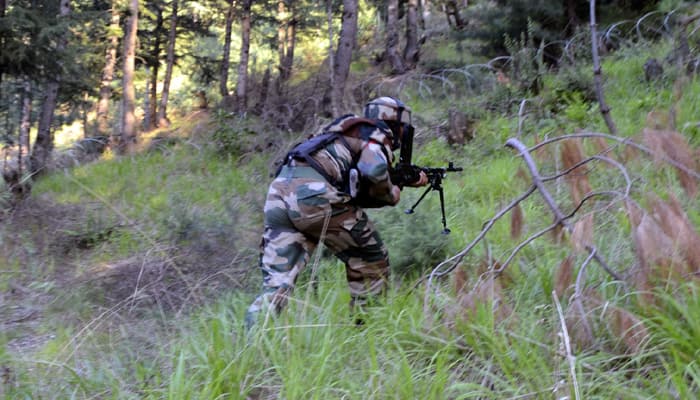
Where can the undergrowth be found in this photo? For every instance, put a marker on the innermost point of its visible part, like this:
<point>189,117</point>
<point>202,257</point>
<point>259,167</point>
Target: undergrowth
<point>152,305</point>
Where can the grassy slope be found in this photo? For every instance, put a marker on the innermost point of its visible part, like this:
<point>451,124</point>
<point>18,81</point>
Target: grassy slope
<point>185,207</point>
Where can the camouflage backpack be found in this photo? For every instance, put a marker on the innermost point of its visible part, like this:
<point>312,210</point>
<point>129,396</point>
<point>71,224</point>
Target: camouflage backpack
<point>336,130</point>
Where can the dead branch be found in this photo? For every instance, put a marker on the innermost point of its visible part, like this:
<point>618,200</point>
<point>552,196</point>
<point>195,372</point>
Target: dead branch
<point>553,226</point>
<point>624,141</point>
<point>521,117</point>
<point>560,218</point>
<point>608,160</point>
<point>454,261</point>
<point>451,263</point>
<point>577,299</point>
<point>597,74</point>
<point>567,345</point>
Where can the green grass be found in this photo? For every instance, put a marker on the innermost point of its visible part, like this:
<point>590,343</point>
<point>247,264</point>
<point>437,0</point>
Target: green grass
<point>192,198</point>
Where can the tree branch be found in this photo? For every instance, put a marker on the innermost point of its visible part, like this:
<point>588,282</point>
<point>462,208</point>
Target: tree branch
<point>597,73</point>
<point>537,181</point>
<point>625,141</point>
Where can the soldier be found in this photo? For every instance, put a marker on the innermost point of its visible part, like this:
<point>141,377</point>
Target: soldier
<point>319,194</point>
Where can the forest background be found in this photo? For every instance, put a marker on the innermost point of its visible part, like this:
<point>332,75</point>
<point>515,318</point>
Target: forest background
<point>138,139</point>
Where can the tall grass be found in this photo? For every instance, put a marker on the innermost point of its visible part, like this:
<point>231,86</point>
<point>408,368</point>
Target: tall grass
<point>193,199</point>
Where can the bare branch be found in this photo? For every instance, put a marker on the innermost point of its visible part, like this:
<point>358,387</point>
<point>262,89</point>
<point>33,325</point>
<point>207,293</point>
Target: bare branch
<point>487,226</point>
<point>689,20</point>
<point>521,117</point>
<point>626,142</point>
<point>577,299</point>
<point>597,73</point>
<point>567,345</point>
<point>454,261</point>
<point>551,227</point>
<point>560,218</point>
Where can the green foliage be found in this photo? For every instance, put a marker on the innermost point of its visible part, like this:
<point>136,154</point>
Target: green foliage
<point>677,327</point>
<point>425,246</point>
<point>577,110</point>
<point>527,60</point>
<point>231,136</point>
<point>573,81</point>
<point>204,193</point>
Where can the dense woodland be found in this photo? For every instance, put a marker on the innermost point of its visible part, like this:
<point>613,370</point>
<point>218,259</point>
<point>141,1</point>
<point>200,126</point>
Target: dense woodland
<point>111,64</point>
<point>138,137</point>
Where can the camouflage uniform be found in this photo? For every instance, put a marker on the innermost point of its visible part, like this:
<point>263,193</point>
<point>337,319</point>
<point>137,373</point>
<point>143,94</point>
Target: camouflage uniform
<point>301,205</point>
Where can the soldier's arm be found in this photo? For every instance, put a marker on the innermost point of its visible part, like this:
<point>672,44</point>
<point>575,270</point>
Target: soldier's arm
<point>373,166</point>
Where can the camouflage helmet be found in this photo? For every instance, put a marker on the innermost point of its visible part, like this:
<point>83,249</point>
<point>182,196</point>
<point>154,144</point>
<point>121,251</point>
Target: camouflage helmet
<point>388,109</point>
<point>395,114</point>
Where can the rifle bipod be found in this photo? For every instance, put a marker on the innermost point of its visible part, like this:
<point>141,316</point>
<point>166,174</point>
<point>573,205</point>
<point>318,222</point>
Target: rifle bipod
<point>435,176</point>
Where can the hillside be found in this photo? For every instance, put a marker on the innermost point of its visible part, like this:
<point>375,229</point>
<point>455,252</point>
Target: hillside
<point>571,272</point>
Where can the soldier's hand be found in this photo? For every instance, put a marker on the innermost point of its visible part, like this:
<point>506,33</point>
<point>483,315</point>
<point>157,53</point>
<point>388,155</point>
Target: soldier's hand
<point>422,180</point>
<point>396,194</point>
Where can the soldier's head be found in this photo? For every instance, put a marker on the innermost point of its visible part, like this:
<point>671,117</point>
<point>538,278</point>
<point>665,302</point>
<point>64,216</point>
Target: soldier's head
<point>394,113</point>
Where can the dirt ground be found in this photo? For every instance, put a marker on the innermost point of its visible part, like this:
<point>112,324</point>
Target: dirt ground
<point>49,277</point>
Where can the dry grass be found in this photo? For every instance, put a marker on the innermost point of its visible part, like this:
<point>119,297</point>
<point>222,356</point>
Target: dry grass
<point>626,330</point>
<point>582,233</point>
<point>572,154</point>
<point>666,244</point>
<point>673,145</point>
<point>601,145</point>
<point>485,289</point>
<point>564,277</point>
<point>595,322</point>
<point>516,222</point>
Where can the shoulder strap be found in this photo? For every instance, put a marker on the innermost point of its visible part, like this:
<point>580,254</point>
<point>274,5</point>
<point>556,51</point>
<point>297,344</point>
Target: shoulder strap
<point>304,150</point>
<point>338,129</point>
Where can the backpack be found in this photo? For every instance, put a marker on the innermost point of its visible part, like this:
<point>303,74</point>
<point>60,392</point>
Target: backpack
<point>338,129</point>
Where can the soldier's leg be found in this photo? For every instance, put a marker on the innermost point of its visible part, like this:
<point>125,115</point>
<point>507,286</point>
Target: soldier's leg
<point>285,252</point>
<point>285,249</point>
<point>354,239</point>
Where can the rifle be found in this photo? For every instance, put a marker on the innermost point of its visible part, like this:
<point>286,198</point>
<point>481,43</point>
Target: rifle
<point>405,173</point>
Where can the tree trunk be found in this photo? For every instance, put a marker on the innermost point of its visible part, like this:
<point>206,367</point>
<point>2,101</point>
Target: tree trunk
<point>281,39</point>
<point>598,73</point>
<point>127,134</point>
<point>286,41</point>
<point>43,144</point>
<point>170,62</point>
<point>264,88</point>
<point>146,123</point>
<point>423,13</point>
<point>331,61</point>
<point>242,84</point>
<point>25,125</point>
<point>572,19</point>
<point>108,75</point>
<point>84,110</point>
<point>411,52</point>
<point>155,56</point>
<point>452,10</point>
<point>226,58</point>
<point>13,176</point>
<point>392,38</point>
<point>343,55</point>
<point>291,44</point>
<point>3,6</point>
